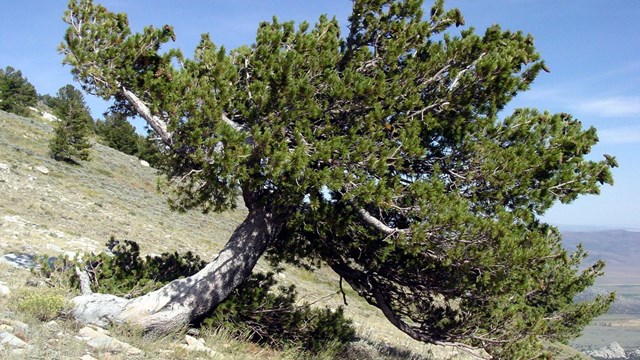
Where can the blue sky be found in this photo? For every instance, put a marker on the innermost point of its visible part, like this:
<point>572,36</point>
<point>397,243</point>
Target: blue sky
<point>591,46</point>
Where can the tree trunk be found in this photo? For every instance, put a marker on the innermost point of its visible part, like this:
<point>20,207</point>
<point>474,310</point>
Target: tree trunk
<point>180,302</point>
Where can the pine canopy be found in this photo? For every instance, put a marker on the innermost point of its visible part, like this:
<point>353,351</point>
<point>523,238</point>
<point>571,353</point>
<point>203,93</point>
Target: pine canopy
<point>384,153</point>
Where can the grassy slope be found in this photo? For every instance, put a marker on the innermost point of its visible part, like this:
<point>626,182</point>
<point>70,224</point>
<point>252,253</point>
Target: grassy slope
<point>77,208</point>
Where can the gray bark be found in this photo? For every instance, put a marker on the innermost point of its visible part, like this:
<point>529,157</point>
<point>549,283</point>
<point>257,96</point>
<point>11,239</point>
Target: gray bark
<point>178,303</point>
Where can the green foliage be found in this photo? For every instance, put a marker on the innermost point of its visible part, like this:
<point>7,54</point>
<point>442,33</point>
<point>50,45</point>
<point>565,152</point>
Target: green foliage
<point>45,304</point>
<point>273,318</point>
<point>379,153</point>
<point>118,133</point>
<point>70,140</point>
<point>16,93</point>
<point>125,273</point>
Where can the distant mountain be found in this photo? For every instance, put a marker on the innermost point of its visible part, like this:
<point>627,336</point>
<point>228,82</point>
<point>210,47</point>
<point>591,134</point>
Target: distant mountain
<point>592,228</point>
<point>620,249</point>
<point>622,305</point>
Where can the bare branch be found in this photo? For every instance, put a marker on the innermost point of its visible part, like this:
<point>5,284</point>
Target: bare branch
<point>83,277</point>
<point>455,81</point>
<point>379,225</point>
<point>157,124</point>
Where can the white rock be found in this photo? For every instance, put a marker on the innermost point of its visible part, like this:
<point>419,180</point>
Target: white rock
<point>87,357</point>
<point>4,290</point>
<point>12,340</point>
<point>198,345</point>
<point>191,341</point>
<point>19,325</point>
<point>611,351</point>
<point>144,163</point>
<point>42,169</point>
<point>97,339</point>
<point>4,167</point>
<point>52,325</point>
<point>49,117</point>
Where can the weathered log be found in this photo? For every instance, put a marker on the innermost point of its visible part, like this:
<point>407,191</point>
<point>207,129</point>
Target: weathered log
<point>182,301</point>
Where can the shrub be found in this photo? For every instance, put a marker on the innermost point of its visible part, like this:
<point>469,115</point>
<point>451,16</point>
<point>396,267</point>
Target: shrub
<point>45,304</point>
<point>126,273</point>
<point>273,318</point>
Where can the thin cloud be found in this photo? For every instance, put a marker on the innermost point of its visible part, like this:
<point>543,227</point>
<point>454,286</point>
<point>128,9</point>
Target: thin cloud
<point>620,135</point>
<point>621,106</point>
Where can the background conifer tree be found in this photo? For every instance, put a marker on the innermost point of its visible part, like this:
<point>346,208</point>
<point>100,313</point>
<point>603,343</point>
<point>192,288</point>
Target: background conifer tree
<point>16,93</point>
<point>70,141</point>
<point>378,153</point>
<point>118,133</point>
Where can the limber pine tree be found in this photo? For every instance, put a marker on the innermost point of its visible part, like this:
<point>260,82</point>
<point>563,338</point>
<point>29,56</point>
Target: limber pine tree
<point>70,135</point>
<point>118,133</point>
<point>16,92</point>
<point>378,153</point>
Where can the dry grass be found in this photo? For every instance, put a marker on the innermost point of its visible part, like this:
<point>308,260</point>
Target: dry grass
<point>77,208</point>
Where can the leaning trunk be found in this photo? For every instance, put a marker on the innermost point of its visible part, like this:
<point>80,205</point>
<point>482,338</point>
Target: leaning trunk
<point>180,302</point>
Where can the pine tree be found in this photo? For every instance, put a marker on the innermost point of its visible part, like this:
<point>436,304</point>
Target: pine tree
<point>118,133</point>
<point>16,93</point>
<point>378,153</point>
<point>70,141</point>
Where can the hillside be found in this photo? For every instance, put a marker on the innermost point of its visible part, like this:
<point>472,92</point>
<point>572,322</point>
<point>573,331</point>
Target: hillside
<point>620,327</point>
<point>50,207</point>
<point>77,208</point>
<point>619,249</point>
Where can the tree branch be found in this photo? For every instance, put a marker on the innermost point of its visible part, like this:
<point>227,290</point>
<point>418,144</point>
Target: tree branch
<point>379,225</point>
<point>455,81</point>
<point>157,124</point>
<point>83,277</point>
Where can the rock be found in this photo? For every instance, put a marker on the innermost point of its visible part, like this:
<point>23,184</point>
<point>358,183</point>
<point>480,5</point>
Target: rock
<point>15,324</point>
<point>97,339</point>
<point>144,163</point>
<point>192,341</point>
<point>52,325</point>
<point>49,117</point>
<point>87,357</point>
<point>198,345</point>
<point>193,332</point>
<point>611,351</point>
<point>4,290</point>
<point>4,167</point>
<point>20,261</point>
<point>12,340</point>
<point>42,169</point>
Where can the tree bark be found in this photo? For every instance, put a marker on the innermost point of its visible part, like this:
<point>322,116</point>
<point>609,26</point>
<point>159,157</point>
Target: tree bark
<point>182,301</point>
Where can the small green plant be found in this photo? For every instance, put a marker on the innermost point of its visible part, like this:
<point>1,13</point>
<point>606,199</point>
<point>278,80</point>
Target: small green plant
<point>45,304</point>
